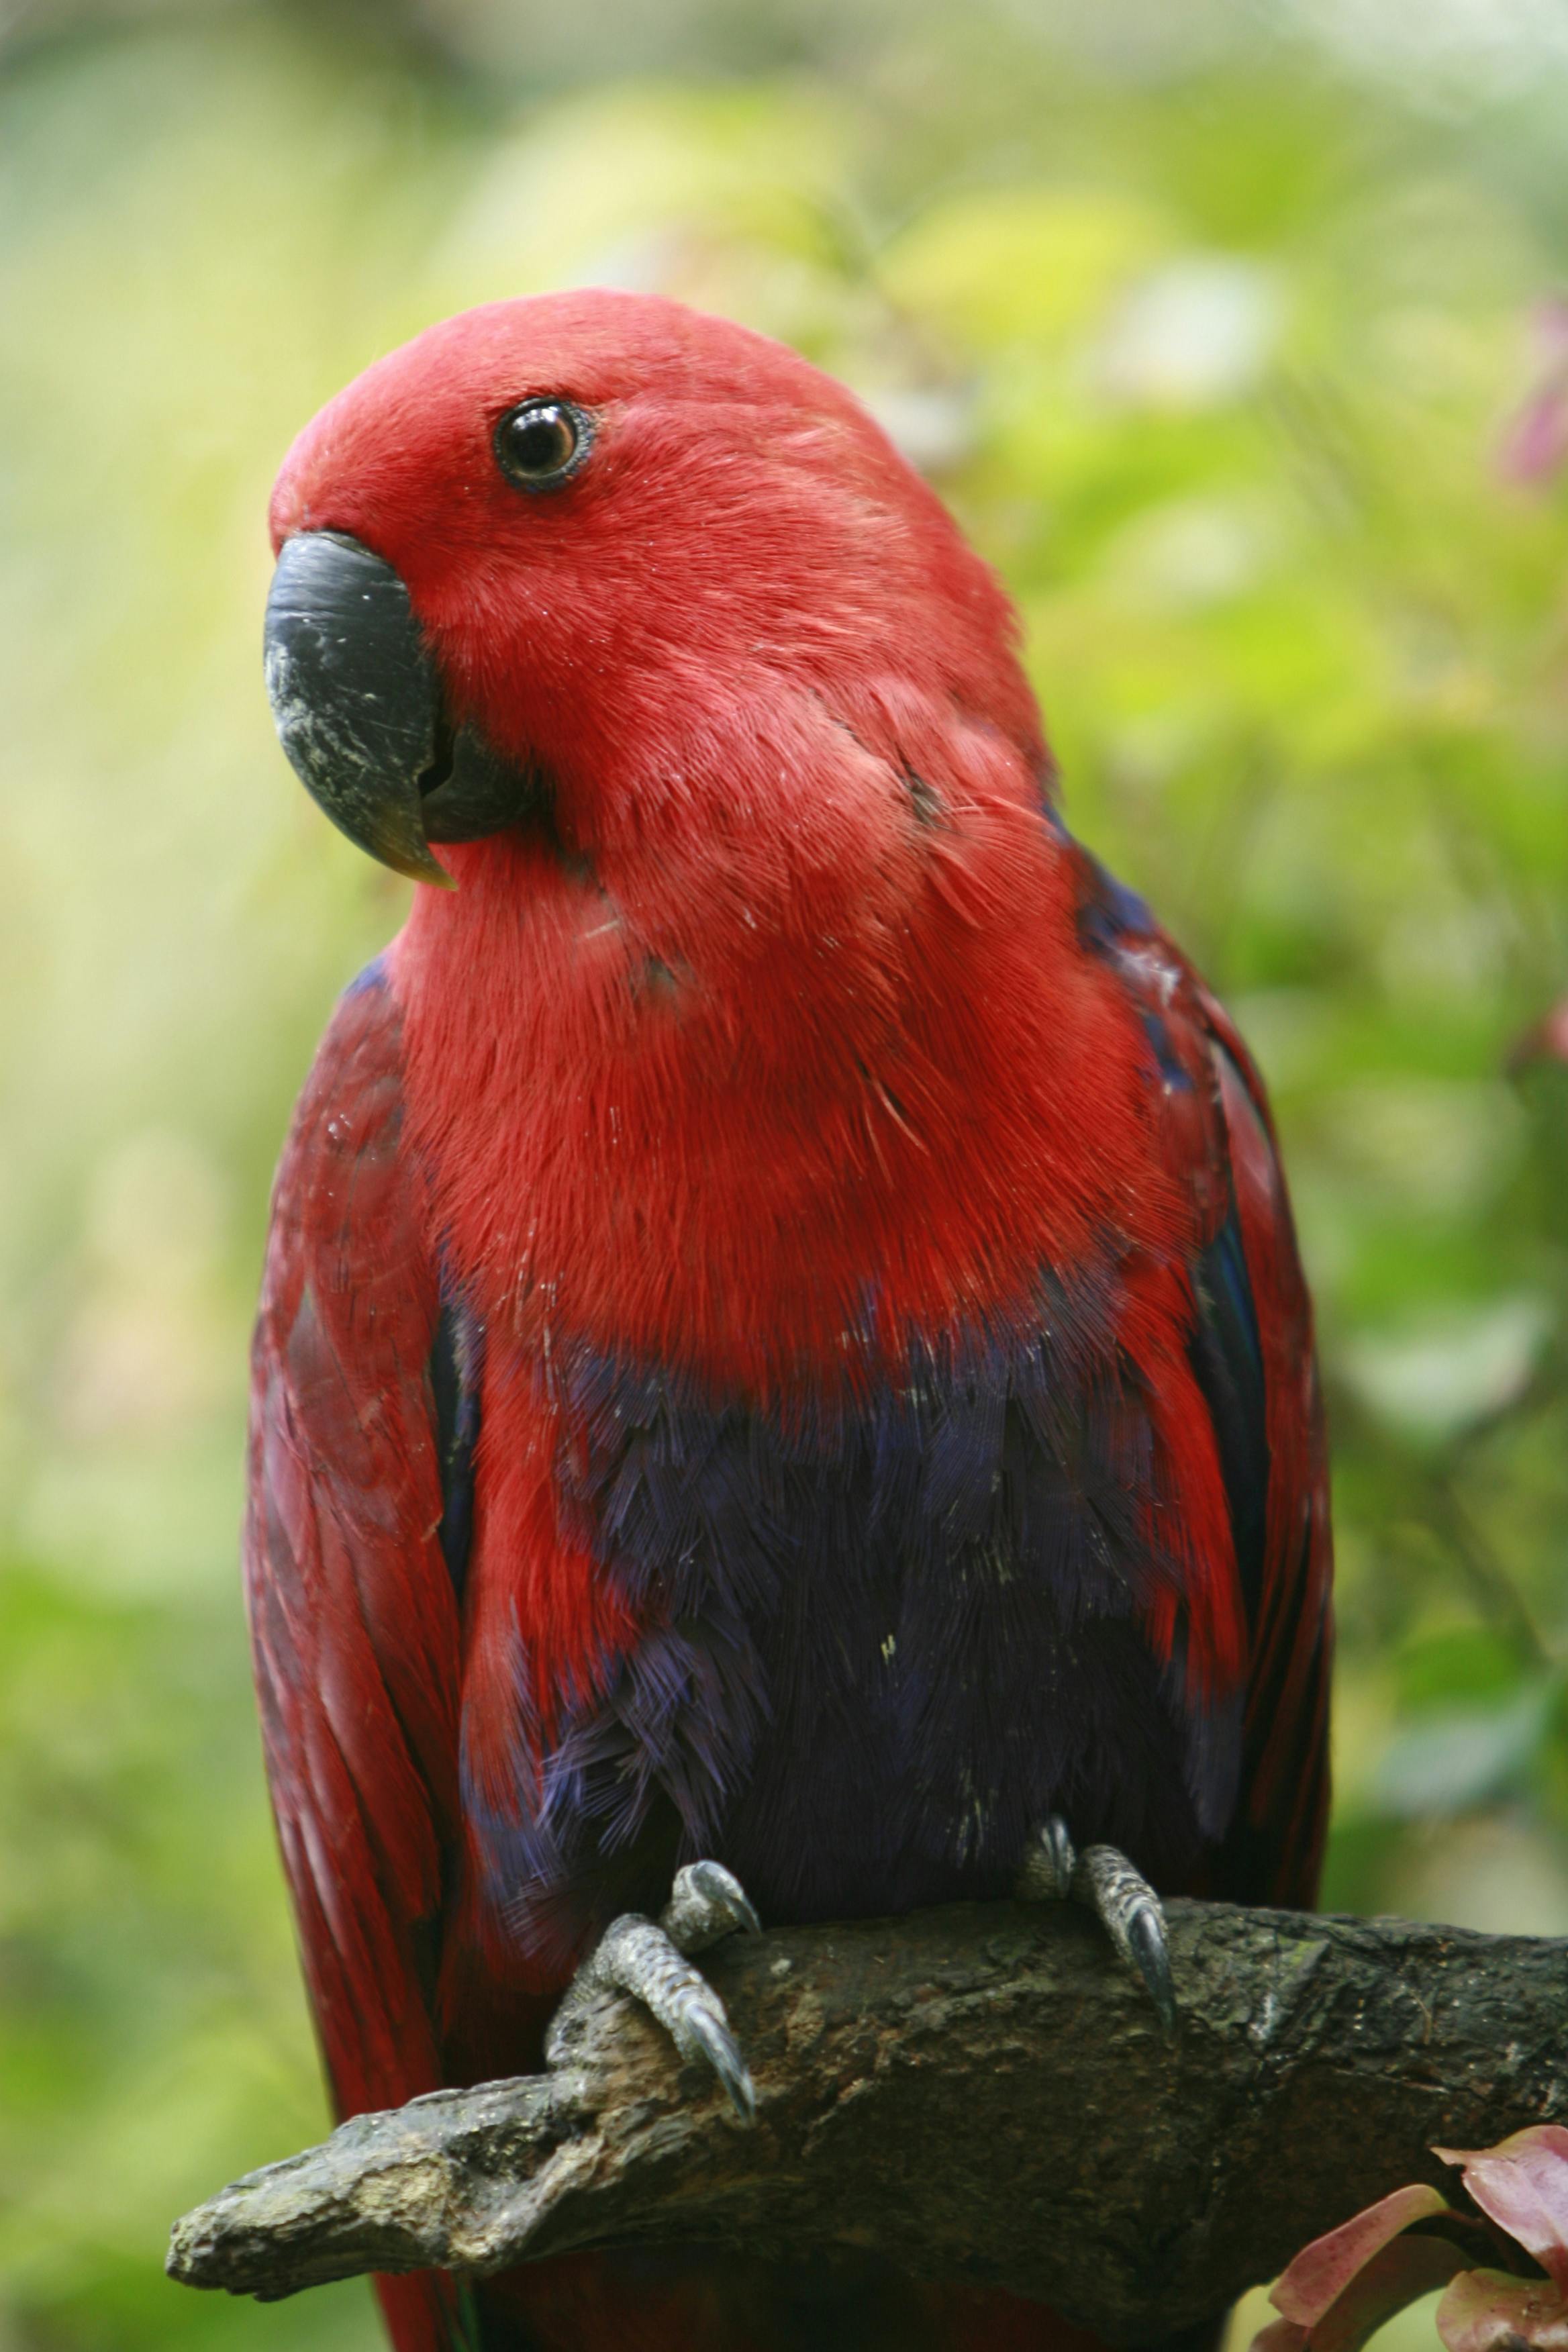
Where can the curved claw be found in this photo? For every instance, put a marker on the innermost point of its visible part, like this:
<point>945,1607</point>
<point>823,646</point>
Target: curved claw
<point>723,2052</point>
<point>1128,1909</point>
<point>1045,1874</point>
<point>1146,1950</point>
<point>706,1903</point>
<point>650,1960</point>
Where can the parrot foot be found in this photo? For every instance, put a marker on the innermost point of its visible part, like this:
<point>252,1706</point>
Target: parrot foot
<point>650,1960</point>
<point>1121,1898</point>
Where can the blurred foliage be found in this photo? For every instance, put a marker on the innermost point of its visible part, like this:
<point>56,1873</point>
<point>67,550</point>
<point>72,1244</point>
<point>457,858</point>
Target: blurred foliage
<point>1224,329</point>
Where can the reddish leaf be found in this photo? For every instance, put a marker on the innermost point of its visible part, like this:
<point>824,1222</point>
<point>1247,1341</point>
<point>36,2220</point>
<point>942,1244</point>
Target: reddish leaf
<point>1523,2183</point>
<point>1322,2272</point>
<point>1488,2311</point>
<point>1279,2335</point>
<point>1399,2273</point>
<point>1537,441</point>
<point>1547,1042</point>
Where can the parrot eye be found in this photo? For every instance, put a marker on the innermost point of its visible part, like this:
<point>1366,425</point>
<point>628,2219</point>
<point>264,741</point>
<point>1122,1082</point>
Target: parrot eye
<point>540,442</point>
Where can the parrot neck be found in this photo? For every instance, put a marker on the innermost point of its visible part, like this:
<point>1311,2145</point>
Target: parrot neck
<point>779,1102</point>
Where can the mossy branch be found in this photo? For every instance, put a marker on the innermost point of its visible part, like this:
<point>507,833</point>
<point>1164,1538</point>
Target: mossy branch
<point>978,2093</point>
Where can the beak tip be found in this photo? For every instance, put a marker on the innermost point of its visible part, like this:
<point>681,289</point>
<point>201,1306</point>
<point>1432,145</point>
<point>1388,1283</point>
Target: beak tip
<point>398,849</point>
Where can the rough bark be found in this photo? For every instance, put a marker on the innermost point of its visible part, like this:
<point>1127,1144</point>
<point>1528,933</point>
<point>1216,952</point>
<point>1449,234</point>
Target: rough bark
<point>978,2091</point>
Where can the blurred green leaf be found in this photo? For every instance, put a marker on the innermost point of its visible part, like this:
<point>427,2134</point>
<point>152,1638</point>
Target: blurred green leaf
<point>1454,1370</point>
<point>1456,1663</point>
<point>1451,1759</point>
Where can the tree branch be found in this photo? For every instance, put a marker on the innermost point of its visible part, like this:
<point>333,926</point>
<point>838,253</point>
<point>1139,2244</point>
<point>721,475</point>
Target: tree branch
<point>978,2093</point>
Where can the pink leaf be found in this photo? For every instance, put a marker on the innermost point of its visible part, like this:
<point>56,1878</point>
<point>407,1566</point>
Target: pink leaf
<point>1399,2273</point>
<point>1547,1042</point>
<point>1536,440</point>
<point>1523,2184</point>
<point>1321,2270</point>
<point>1488,2311</point>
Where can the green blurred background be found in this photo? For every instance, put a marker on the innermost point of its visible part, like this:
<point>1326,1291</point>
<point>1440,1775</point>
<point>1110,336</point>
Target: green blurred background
<point>1230,332</point>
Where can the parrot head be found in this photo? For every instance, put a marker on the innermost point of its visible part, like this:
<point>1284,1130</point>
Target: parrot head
<point>557,554</point>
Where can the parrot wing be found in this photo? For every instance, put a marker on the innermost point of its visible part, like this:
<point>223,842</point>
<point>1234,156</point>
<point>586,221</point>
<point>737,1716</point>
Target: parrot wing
<point>354,1615</point>
<point>1253,1357</point>
<point>1274,1851</point>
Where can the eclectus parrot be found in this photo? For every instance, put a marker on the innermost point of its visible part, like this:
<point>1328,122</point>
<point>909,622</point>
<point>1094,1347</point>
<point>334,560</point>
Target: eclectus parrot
<point>784,1386</point>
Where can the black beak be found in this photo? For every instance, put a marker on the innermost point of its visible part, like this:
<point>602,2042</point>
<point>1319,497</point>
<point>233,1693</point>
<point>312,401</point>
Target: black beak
<point>357,699</point>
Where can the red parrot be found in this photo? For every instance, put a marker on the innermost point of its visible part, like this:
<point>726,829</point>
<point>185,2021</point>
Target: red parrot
<point>784,1386</point>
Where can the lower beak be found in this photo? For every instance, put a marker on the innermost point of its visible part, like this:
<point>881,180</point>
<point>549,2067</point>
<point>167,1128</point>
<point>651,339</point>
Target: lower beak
<point>356,700</point>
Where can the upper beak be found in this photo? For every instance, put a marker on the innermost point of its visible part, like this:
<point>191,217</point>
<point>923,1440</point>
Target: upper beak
<point>357,699</point>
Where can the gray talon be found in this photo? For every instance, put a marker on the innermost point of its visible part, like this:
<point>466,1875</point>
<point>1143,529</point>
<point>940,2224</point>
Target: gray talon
<point>706,1903</point>
<point>723,2052</point>
<point>648,1960</point>
<point>1121,1898</point>
<point>1046,1874</point>
<point>1146,1945</point>
<point>1129,1910</point>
